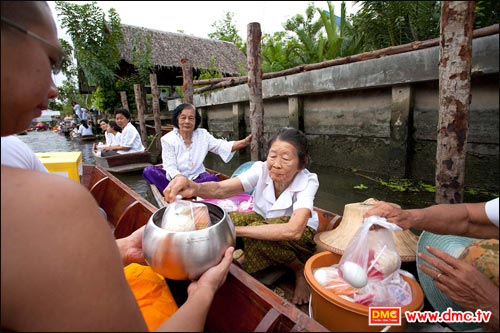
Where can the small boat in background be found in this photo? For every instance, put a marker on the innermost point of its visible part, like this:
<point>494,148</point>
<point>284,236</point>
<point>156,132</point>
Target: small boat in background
<point>122,163</point>
<point>91,137</point>
<point>242,303</point>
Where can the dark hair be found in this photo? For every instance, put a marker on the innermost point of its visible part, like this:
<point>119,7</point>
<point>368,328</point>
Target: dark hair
<point>84,123</point>
<point>297,139</point>
<point>104,120</point>
<point>115,126</point>
<point>124,112</point>
<point>178,110</point>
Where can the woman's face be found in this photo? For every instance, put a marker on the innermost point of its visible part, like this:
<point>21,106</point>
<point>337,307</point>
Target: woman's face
<point>186,120</point>
<point>282,162</point>
<point>104,126</point>
<point>121,120</point>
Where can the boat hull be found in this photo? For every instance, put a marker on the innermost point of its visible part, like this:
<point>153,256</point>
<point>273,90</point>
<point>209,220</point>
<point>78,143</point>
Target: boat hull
<point>123,163</point>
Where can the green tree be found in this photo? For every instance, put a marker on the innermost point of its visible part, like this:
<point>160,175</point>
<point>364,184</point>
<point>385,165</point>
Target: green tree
<point>387,23</point>
<point>95,44</point>
<point>275,52</point>
<point>486,13</point>
<point>226,30</point>
<point>306,42</point>
<point>341,40</point>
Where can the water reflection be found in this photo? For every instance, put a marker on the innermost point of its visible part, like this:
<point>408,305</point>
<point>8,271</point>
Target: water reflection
<point>335,191</point>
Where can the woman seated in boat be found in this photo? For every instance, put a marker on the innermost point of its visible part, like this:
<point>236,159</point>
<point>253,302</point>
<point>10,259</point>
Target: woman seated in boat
<point>130,140</point>
<point>112,132</point>
<point>84,129</point>
<point>280,230</point>
<point>185,147</point>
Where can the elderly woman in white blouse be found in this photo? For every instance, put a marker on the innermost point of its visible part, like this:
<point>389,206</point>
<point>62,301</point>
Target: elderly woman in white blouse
<point>281,228</point>
<point>184,149</point>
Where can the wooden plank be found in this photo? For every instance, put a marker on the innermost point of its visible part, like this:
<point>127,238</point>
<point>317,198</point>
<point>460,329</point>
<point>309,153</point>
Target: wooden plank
<point>129,167</point>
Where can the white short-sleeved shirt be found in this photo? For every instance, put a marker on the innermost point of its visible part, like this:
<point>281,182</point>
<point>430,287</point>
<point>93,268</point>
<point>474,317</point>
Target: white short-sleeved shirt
<point>300,193</point>
<point>17,154</point>
<point>114,139</point>
<point>491,209</point>
<point>130,138</point>
<point>178,159</point>
<point>85,131</point>
<point>109,138</point>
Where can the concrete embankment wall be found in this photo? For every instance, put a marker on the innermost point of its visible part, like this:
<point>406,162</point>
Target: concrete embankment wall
<point>378,115</point>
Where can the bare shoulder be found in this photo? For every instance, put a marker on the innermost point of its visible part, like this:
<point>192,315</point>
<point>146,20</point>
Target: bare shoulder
<point>57,245</point>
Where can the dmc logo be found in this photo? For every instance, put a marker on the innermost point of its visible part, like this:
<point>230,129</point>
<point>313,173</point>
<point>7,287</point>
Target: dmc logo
<point>386,316</point>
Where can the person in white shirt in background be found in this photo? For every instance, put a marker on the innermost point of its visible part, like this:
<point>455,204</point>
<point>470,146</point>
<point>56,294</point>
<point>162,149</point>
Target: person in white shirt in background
<point>114,134</point>
<point>85,129</point>
<point>17,154</point>
<point>78,109</point>
<point>130,141</point>
<point>104,123</point>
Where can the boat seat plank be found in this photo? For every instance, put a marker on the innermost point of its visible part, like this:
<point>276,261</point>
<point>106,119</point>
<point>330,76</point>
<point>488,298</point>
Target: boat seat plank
<point>129,167</point>
<point>267,322</point>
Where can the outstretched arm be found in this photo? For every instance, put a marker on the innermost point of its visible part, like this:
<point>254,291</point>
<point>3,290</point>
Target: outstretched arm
<point>242,143</point>
<point>466,219</point>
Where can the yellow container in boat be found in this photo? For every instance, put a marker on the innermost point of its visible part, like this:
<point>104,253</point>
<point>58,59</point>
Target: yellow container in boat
<point>68,164</point>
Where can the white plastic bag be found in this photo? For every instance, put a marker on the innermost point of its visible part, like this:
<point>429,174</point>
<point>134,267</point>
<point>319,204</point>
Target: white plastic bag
<point>371,254</point>
<point>184,215</point>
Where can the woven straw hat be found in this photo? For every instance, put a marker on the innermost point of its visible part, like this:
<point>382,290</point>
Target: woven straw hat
<point>336,240</point>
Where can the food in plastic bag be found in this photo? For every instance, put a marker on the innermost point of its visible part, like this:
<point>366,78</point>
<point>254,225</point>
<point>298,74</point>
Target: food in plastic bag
<point>330,278</point>
<point>354,274</point>
<point>371,254</point>
<point>184,215</point>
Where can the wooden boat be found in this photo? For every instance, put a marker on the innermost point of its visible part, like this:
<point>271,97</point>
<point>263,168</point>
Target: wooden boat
<point>91,137</point>
<point>242,304</point>
<point>123,163</point>
<point>150,129</point>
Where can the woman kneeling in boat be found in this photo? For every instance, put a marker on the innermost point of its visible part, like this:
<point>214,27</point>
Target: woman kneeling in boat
<point>184,149</point>
<point>280,230</point>
<point>130,141</point>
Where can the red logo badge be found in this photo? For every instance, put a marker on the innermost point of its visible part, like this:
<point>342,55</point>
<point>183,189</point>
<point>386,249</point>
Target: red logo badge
<point>384,316</point>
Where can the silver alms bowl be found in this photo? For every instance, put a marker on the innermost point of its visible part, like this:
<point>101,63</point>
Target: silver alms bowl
<point>186,255</point>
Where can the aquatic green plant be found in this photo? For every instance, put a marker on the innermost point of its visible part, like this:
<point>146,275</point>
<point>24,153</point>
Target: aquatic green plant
<point>360,187</point>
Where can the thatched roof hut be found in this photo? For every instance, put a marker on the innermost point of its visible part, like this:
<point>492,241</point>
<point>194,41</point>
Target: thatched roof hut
<point>168,48</point>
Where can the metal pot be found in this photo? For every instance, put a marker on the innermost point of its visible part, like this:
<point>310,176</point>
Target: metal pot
<point>187,255</point>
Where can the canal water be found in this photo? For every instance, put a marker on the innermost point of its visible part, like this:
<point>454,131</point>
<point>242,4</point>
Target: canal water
<point>338,187</point>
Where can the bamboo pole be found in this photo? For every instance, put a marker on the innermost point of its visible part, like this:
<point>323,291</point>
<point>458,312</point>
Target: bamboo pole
<point>391,50</point>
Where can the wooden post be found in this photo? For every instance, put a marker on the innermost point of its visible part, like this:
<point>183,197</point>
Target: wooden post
<point>156,109</point>
<point>123,97</point>
<point>140,113</point>
<point>296,112</point>
<point>457,22</point>
<point>254,35</point>
<point>238,121</point>
<point>187,83</point>
<point>204,117</point>
<point>402,103</point>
